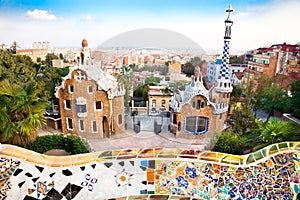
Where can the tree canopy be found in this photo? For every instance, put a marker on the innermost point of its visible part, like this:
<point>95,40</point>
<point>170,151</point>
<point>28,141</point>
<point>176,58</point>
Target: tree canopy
<point>126,77</point>
<point>189,67</point>
<point>22,109</point>
<point>229,143</point>
<point>164,69</point>
<point>22,112</point>
<point>278,131</point>
<point>152,80</point>
<point>49,58</point>
<point>235,60</point>
<point>16,68</point>
<point>270,96</point>
<point>295,91</point>
<point>50,78</point>
<point>141,91</point>
<point>13,48</point>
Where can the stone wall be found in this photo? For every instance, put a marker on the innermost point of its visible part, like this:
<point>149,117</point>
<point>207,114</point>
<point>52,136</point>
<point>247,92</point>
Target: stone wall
<point>118,111</point>
<point>270,173</point>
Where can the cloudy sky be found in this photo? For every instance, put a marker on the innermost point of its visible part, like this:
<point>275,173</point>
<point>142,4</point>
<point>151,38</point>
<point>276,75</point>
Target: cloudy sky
<point>65,23</point>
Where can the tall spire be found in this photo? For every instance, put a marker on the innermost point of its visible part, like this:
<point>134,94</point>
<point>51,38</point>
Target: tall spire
<point>85,53</point>
<point>223,83</point>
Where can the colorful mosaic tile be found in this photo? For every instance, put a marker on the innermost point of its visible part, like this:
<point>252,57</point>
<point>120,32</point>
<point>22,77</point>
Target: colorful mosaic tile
<point>270,173</point>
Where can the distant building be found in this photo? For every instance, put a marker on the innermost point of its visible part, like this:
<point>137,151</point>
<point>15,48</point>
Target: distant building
<point>43,45</point>
<point>265,63</point>
<point>250,78</point>
<point>236,78</point>
<point>34,54</point>
<point>204,69</point>
<point>69,54</point>
<point>57,63</point>
<point>91,100</point>
<point>279,59</point>
<point>212,71</point>
<point>236,73</point>
<point>3,47</point>
<point>214,68</point>
<point>177,77</point>
<point>175,67</point>
<point>158,99</point>
<point>39,50</point>
<point>175,72</point>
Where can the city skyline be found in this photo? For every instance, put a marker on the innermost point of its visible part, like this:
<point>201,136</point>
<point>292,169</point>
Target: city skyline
<point>257,23</point>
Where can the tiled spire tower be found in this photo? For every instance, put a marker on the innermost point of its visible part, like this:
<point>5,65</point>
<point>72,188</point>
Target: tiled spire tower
<point>223,83</point>
<point>224,72</point>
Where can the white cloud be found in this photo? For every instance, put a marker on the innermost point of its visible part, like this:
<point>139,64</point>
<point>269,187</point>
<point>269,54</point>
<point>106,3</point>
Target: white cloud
<point>41,14</point>
<point>88,18</point>
<point>254,26</point>
<point>266,25</point>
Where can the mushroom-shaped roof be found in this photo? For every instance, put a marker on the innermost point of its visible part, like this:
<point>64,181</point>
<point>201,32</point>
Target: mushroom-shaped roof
<point>84,43</point>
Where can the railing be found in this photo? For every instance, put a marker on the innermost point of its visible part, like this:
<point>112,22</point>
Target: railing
<point>140,110</point>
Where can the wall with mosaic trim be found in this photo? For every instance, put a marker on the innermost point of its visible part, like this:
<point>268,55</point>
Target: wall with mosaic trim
<point>270,173</point>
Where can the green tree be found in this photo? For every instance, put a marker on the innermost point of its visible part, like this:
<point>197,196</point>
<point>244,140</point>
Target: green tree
<point>61,56</point>
<point>14,46</point>
<point>164,69</point>
<point>230,143</point>
<point>278,131</point>
<point>270,96</point>
<point>141,91</point>
<point>49,58</point>
<point>22,113</point>
<point>16,68</point>
<point>188,69</point>
<point>127,78</point>
<point>152,80</point>
<point>197,61</point>
<point>236,60</point>
<point>51,77</point>
<point>242,120</point>
<point>236,95</point>
<point>295,99</point>
<point>38,60</point>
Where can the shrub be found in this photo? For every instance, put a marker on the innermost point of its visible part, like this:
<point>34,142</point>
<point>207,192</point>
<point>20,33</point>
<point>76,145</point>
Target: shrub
<point>69,143</point>
<point>230,143</point>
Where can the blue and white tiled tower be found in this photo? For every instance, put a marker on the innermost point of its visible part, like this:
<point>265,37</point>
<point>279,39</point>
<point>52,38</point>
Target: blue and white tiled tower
<point>198,113</point>
<point>223,83</point>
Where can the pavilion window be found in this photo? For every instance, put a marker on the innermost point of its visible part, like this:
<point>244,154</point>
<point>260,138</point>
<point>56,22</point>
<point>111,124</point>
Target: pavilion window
<point>69,123</point>
<point>99,105</point>
<point>196,125</point>
<point>94,126</point>
<point>67,104</point>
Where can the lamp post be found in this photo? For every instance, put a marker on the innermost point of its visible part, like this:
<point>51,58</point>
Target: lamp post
<point>162,119</point>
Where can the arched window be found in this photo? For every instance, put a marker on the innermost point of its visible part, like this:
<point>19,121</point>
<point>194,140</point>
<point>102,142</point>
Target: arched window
<point>196,125</point>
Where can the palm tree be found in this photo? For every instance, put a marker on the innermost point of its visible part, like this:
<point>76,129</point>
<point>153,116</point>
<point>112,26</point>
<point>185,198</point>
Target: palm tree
<point>127,79</point>
<point>278,131</point>
<point>21,113</point>
<point>13,47</point>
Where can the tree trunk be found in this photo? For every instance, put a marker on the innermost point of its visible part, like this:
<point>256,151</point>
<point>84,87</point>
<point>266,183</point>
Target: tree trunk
<point>269,116</point>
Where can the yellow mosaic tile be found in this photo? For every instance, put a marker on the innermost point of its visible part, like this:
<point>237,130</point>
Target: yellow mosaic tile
<point>169,153</point>
<point>147,153</point>
<point>232,160</point>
